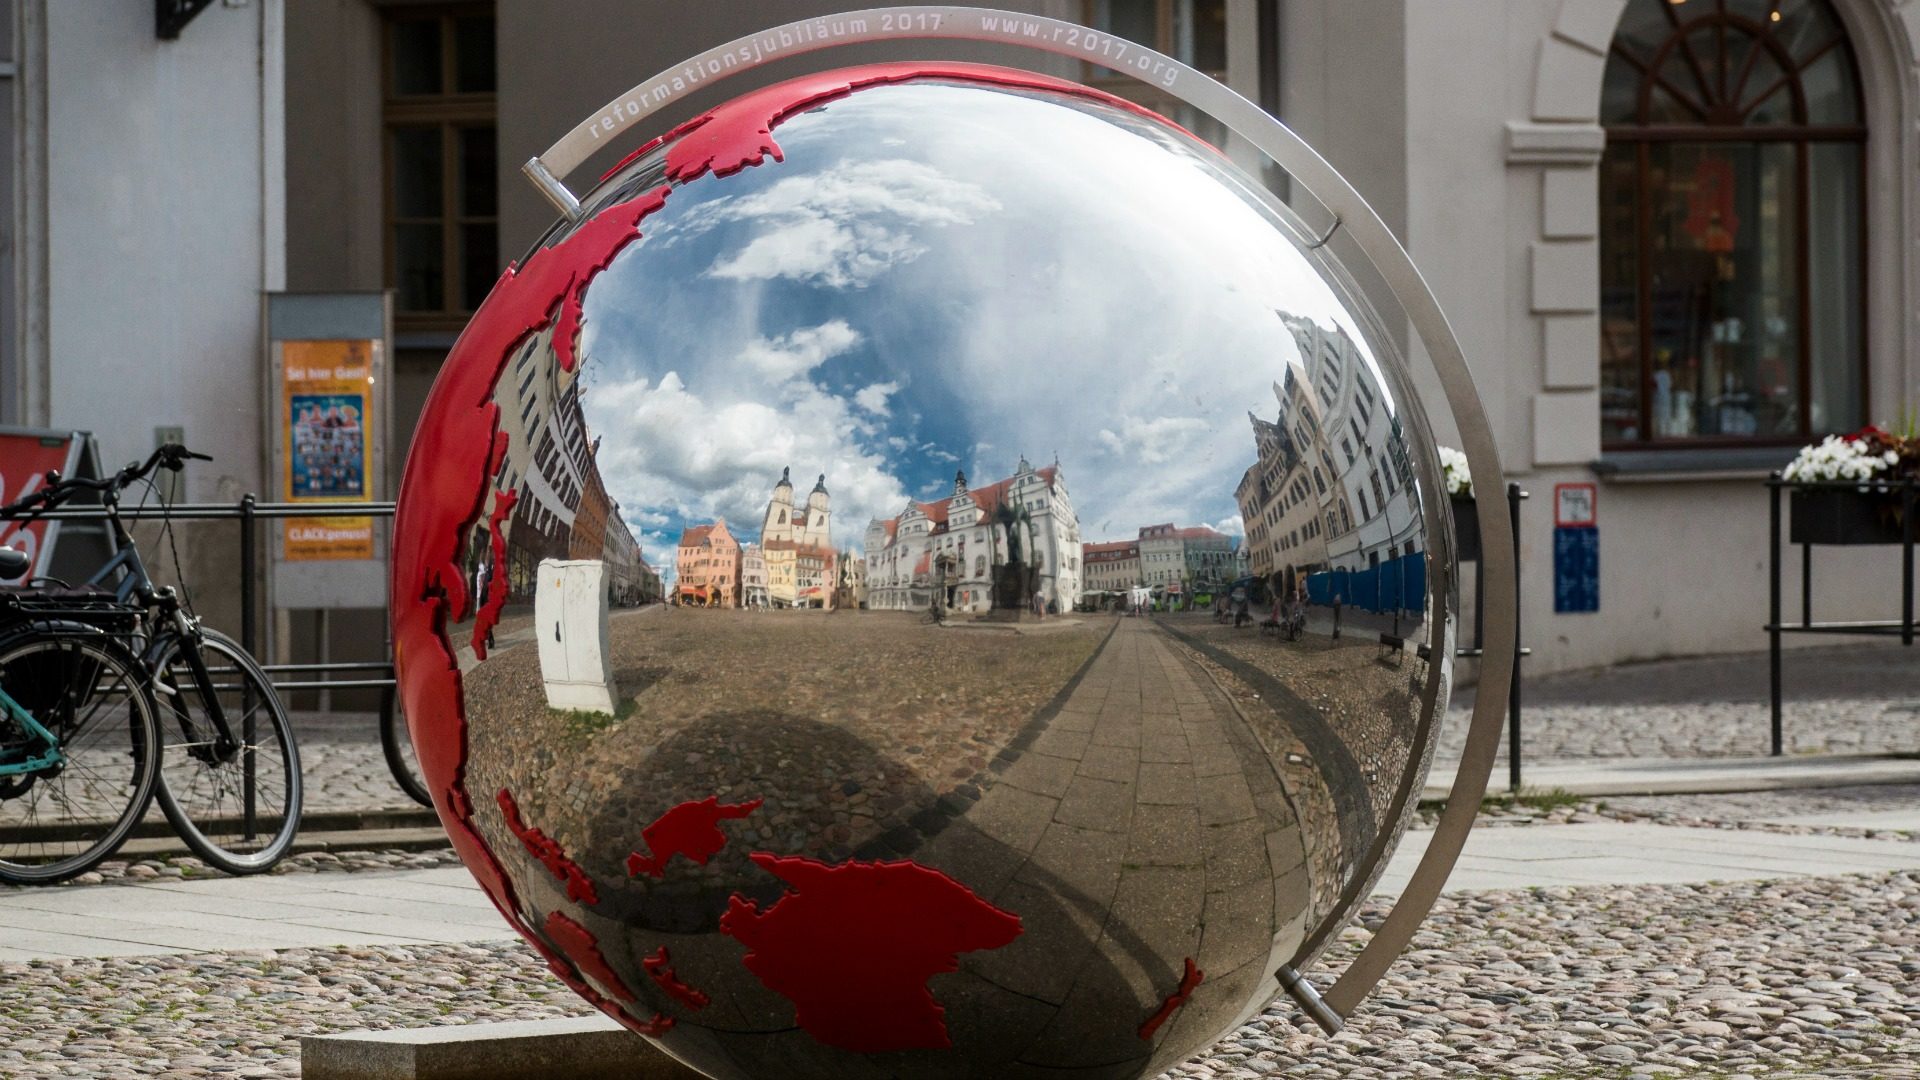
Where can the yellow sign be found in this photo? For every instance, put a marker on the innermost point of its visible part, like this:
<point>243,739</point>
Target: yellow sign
<point>326,423</point>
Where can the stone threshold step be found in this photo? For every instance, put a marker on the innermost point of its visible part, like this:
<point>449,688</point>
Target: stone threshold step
<point>415,839</point>
<point>1693,776</point>
<point>578,1048</point>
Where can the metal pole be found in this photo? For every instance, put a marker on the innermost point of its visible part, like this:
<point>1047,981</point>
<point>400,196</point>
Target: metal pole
<point>248,802</point>
<point>1773,607</point>
<point>1806,584</point>
<point>1513,692</point>
<point>1907,526</point>
<point>247,558</point>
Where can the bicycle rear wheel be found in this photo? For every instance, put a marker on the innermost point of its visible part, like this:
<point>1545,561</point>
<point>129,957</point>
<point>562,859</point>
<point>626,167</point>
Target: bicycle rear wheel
<point>396,742</point>
<point>236,806</point>
<point>62,820</point>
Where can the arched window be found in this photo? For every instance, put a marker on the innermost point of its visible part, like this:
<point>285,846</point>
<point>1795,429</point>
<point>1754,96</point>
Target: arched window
<point>1732,246</point>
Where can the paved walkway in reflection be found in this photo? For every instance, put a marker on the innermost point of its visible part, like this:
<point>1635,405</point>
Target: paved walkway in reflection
<point>1145,797</point>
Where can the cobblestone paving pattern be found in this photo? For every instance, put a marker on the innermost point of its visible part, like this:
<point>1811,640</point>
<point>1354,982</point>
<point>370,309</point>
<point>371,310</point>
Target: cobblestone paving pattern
<point>764,705</point>
<point>1817,977</point>
<point>1846,700</point>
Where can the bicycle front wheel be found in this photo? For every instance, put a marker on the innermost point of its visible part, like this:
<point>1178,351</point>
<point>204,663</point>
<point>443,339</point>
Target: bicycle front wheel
<point>229,780</point>
<point>61,819</point>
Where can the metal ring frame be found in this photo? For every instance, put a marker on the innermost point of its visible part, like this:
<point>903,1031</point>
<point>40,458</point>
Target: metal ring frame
<point>1368,233</point>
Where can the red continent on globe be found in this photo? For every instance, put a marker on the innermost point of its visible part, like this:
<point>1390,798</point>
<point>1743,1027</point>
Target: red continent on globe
<point>852,946</point>
<point>691,829</point>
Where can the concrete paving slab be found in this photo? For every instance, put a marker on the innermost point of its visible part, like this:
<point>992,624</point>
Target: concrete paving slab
<point>1905,820</point>
<point>1623,853</point>
<point>42,945</point>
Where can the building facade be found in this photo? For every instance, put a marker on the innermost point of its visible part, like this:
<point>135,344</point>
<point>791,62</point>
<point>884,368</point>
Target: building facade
<point>707,570</point>
<point>797,547</point>
<point>1371,512</point>
<point>979,548</point>
<point>753,577</point>
<point>1663,285</point>
<point>1112,567</point>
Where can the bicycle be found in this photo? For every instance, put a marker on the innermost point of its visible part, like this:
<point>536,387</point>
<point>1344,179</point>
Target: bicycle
<point>77,740</point>
<point>233,798</point>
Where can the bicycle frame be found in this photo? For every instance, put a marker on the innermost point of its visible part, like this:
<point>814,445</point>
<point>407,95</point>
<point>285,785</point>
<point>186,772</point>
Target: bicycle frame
<point>53,755</point>
<point>135,588</point>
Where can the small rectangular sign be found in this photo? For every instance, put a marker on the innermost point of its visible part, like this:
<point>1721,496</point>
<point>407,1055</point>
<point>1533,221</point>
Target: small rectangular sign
<point>1576,570</point>
<point>1576,506</point>
<point>326,455</point>
<point>322,538</point>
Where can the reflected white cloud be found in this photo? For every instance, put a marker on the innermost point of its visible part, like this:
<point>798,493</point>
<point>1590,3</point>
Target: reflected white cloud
<point>940,276</point>
<point>844,227</point>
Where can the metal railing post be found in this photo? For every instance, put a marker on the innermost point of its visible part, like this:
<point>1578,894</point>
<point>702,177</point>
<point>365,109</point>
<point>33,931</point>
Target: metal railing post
<point>1907,527</point>
<point>1773,608</point>
<point>1513,693</point>
<point>249,803</point>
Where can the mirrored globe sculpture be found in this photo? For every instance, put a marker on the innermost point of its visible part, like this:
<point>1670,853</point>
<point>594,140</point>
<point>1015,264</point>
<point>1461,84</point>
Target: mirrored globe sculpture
<point>928,576</point>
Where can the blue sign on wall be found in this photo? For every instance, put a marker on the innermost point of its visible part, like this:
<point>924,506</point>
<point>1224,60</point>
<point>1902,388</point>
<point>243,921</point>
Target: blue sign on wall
<point>1576,570</point>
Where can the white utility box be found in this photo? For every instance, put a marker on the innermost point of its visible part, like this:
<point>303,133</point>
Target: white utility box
<point>570,618</point>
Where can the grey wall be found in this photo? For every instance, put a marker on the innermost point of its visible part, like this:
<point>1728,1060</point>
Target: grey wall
<point>161,218</point>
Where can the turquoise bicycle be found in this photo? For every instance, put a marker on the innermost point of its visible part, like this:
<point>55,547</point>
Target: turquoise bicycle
<point>72,785</point>
<point>79,743</point>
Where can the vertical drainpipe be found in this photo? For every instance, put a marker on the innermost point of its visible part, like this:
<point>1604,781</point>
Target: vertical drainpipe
<point>32,391</point>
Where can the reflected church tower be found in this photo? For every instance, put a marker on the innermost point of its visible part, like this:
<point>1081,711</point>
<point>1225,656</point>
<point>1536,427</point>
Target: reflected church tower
<point>778,524</point>
<point>811,528</point>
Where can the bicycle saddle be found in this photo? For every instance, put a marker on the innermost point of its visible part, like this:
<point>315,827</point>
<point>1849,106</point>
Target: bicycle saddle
<point>13,563</point>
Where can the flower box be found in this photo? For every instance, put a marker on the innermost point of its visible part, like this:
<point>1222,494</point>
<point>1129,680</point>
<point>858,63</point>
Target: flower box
<point>1848,516</point>
<point>1466,528</point>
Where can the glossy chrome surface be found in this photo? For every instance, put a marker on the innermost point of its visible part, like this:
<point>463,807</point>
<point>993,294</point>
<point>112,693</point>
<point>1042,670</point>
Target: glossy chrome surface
<point>1008,353</point>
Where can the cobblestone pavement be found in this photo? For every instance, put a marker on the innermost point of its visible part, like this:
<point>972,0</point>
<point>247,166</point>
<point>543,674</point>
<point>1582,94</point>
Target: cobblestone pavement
<point>1845,700</point>
<point>1815,977</point>
<point>342,765</point>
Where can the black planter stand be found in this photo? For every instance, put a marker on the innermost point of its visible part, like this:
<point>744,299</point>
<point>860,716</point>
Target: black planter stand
<point>1839,513</point>
<point>1466,528</point>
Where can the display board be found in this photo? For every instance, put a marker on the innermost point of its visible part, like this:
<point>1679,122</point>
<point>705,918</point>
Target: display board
<point>70,550</point>
<point>327,418</point>
<point>326,423</point>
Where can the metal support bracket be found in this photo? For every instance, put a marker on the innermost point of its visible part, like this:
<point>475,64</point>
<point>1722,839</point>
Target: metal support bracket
<point>1309,1000</point>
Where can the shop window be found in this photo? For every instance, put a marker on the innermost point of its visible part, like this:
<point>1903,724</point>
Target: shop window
<point>1193,32</point>
<point>442,206</point>
<point>1731,225</point>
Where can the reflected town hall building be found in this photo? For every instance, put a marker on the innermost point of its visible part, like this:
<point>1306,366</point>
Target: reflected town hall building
<point>1331,489</point>
<point>996,546</point>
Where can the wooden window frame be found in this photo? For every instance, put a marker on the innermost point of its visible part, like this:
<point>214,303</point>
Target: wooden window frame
<point>1802,135</point>
<point>450,112</point>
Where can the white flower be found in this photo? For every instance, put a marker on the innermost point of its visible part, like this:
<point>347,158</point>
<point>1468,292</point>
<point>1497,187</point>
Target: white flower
<point>1453,465</point>
<point>1837,459</point>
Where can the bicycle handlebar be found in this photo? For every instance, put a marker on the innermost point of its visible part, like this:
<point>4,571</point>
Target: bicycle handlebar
<point>171,456</point>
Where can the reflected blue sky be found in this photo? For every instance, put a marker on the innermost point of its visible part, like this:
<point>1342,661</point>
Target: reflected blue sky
<point>944,276</point>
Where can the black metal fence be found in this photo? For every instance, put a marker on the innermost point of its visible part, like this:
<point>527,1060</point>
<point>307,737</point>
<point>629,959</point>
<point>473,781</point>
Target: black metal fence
<point>248,513</point>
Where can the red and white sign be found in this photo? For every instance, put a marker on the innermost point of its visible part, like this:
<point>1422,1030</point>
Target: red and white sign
<point>25,459</point>
<point>1576,506</point>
